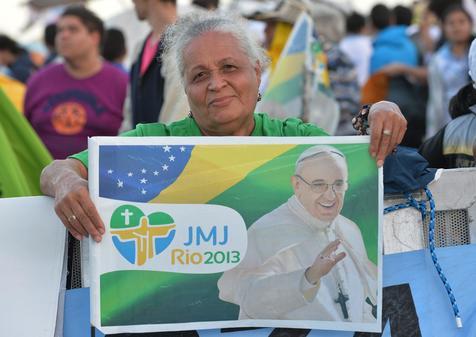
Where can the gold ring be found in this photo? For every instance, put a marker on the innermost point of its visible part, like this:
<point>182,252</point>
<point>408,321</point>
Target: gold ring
<point>72,218</point>
<point>387,132</point>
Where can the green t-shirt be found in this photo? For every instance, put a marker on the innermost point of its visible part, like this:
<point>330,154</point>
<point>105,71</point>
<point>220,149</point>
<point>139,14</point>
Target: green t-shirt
<point>187,127</point>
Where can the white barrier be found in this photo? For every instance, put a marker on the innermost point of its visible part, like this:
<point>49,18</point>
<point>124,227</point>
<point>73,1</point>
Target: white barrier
<point>32,246</point>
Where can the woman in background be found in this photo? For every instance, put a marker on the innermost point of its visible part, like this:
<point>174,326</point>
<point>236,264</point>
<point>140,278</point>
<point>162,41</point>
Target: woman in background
<point>448,68</point>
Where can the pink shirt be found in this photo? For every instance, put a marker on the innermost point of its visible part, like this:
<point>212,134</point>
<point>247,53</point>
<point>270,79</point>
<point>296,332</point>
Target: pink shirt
<point>150,49</point>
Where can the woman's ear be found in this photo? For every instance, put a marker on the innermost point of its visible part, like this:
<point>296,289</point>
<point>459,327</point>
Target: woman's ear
<point>258,72</point>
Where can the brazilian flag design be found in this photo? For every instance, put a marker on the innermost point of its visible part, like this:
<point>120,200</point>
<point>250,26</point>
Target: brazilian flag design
<point>252,179</point>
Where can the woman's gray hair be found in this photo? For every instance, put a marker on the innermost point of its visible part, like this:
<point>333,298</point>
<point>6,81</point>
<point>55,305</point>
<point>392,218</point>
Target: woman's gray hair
<point>179,35</point>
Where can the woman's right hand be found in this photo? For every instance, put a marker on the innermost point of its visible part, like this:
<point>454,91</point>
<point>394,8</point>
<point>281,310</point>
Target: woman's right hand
<point>66,181</point>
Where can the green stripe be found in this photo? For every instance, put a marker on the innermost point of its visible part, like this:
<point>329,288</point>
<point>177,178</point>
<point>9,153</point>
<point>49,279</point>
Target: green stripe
<point>286,91</point>
<point>161,297</point>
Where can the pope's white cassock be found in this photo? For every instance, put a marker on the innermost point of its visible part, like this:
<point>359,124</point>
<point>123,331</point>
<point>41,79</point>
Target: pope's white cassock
<point>270,284</point>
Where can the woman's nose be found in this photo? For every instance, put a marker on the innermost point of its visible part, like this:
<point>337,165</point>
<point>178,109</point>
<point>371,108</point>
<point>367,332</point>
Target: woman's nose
<point>217,81</point>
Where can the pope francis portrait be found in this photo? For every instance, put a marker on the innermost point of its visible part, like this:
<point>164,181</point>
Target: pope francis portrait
<point>305,261</point>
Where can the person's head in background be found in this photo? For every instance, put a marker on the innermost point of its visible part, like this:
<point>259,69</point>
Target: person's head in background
<point>457,28</point>
<point>380,17</point>
<point>355,24</point>
<point>207,4</point>
<point>465,98</point>
<point>278,26</point>
<point>9,50</point>
<point>49,35</point>
<point>156,12</point>
<point>114,47</point>
<point>79,34</point>
<point>438,7</point>
<point>15,61</point>
<point>401,16</point>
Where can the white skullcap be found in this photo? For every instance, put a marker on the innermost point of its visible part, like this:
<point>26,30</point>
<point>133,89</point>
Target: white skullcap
<point>319,150</point>
<point>472,61</point>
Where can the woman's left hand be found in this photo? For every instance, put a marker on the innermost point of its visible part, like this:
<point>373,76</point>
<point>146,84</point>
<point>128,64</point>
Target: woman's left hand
<point>387,128</point>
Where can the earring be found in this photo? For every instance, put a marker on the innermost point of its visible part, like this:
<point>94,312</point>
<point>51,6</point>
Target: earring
<point>259,97</point>
<point>190,115</point>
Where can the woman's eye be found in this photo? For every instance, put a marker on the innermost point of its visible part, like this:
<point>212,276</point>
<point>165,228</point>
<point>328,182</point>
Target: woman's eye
<point>199,76</point>
<point>229,67</point>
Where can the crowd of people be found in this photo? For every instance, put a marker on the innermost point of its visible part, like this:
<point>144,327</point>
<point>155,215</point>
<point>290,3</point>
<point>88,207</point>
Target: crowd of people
<point>414,56</point>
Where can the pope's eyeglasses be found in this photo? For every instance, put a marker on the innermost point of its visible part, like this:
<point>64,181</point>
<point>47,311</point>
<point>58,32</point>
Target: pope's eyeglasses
<point>320,187</point>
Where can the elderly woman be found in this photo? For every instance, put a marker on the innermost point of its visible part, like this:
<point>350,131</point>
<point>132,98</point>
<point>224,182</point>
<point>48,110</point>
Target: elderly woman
<point>220,67</point>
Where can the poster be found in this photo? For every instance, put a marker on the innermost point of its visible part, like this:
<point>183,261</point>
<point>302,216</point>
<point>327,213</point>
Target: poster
<point>215,232</point>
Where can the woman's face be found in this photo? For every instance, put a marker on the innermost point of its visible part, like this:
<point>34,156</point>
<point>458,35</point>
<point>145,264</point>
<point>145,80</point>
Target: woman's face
<point>457,27</point>
<point>221,85</point>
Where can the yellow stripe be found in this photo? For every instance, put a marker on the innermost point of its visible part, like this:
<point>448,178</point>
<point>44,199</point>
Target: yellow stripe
<point>213,169</point>
<point>287,69</point>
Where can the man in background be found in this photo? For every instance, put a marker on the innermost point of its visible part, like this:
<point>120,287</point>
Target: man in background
<point>146,79</point>
<point>83,97</point>
<point>357,45</point>
<point>391,43</point>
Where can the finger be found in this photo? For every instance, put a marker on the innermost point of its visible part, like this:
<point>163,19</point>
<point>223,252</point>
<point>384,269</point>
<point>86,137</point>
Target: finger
<point>339,257</point>
<point>82,221</point>
<point>87,223</point>
<point>68,226</point>
<point>393,141</point>
<point>392,138</point>
<point>64,213</point>
<point>88,216</point>
<point>401,134</point>
<point>93,214</point>
<point>75,221</point>
<point>375,136</point>
<point>400,127</point>
<point>384,146</point>
<point>330,248</point>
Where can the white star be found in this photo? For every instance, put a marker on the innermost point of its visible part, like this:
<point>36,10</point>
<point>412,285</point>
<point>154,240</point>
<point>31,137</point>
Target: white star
<point>172,158</point>
<point>166,148</point>
<point>143,191</point>
<point>120,183</point>
<point>156,173</point>
<point>110,171</point>
<point>182,149</point>
<point>144,171</point>
<point>143,181</point>
<point>130,174</point>
<point>165,167</point>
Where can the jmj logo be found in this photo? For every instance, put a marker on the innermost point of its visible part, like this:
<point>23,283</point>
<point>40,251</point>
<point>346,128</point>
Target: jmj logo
<point>179,238</point>
<point>139,237</point>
